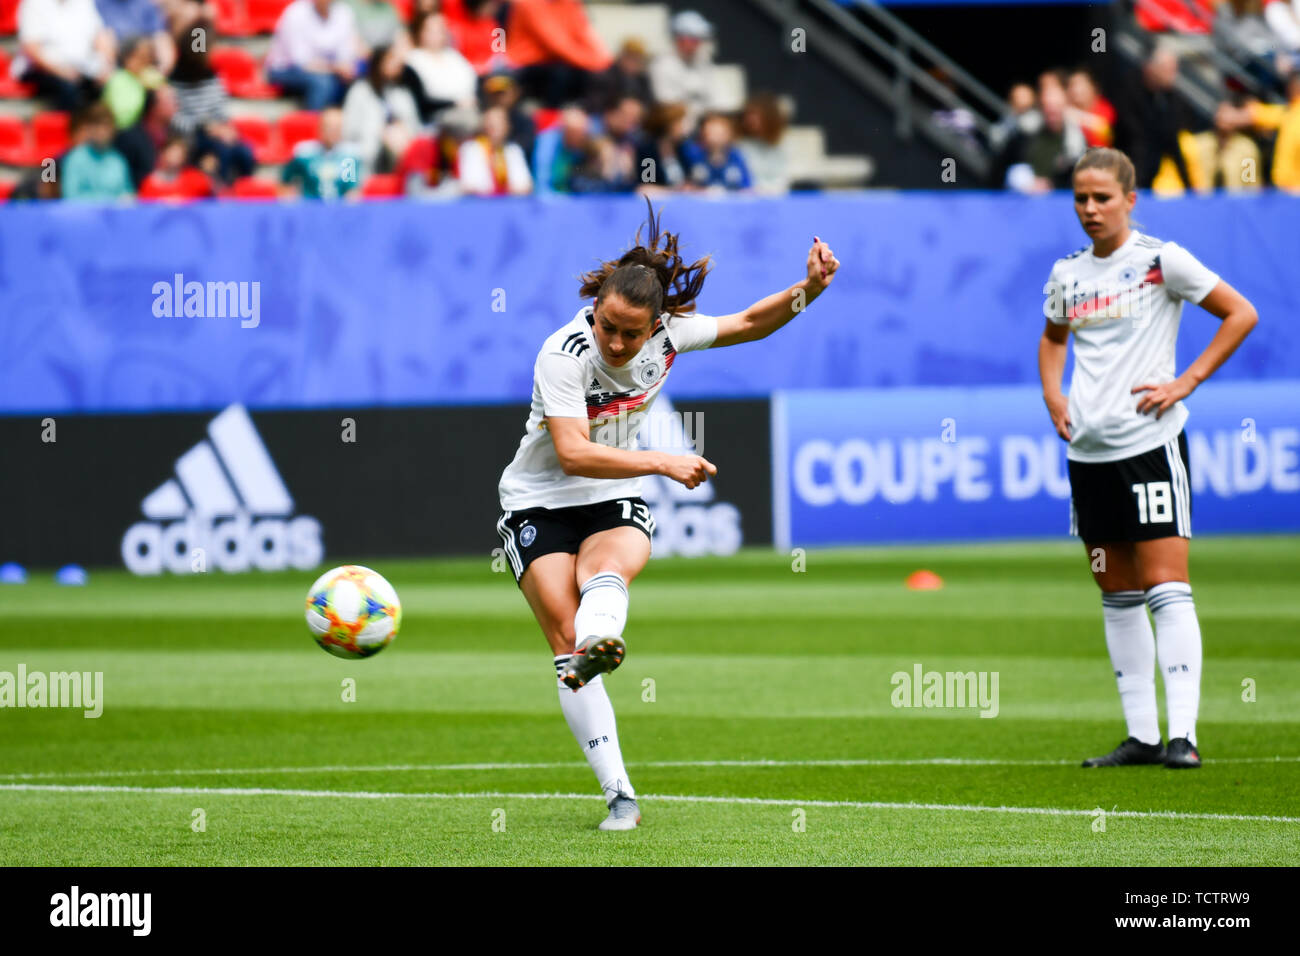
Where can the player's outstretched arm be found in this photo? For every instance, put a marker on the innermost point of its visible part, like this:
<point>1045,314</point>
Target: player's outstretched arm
<point>1238,316</point>
<point>579,455</point>
<point>767,315</point>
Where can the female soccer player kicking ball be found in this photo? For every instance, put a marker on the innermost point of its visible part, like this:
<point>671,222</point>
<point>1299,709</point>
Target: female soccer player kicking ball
<point>575,528</point>
<point>1122,297</point>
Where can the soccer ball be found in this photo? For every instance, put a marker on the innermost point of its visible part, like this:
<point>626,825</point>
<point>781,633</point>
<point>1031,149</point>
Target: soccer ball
<point>353,612</point>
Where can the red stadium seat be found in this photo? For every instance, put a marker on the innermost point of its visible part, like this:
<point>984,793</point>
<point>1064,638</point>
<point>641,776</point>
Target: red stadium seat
<point>264,14</point>
<point>49,135</point>
<point>297,127</point>
<point>7,187</point>
<point>261,138</point>
<point>545,118</point>
<point>405,9</point>
<point>241,74</point>
<point>232,18</point>
<point>8,17</point>
<point>15,147</point>
<point>250,187</point>
<point>382,186</point>
<point>8,85</point>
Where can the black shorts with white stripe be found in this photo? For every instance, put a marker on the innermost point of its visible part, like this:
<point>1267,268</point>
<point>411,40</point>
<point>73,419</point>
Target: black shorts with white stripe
<point>1135,499</point>
<point>533,532</point>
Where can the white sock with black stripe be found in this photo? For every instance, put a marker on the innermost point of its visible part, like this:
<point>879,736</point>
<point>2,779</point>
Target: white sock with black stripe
<point>602,612</point>
<point>590,717</point>
<point>1132,649</point>
<point>1178,639</point>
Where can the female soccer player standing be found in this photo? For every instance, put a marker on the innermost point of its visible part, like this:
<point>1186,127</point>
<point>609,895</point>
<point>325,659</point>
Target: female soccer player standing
<point>1122,297</point>
<point>574,526</point>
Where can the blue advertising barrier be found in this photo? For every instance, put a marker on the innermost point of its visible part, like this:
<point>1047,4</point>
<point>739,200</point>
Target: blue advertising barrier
<point>140,308</point>
<point>942,464</point>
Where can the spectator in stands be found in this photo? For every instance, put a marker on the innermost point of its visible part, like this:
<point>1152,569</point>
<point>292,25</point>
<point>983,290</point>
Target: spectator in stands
<point>661,149</point>
<point>323,168</point>
<point>174,179</point>
<point>491,165</point>
<point>139,144</point>
<point>1284,20</point>
<point>377,22</point>
<point>128,19</point>
<point>379,114</point>
<point>444,74</point>
<point>609,163</point>
<point>1225,158</point>
<point>762,125</point>
<point>478,32</point>
<point>428,169</point>
<point>627,76</point>
<point>1023,117</point>
<point>202,103</point>
<point>314,51</point>
<point>686,74</point>
<point>560,150</point>
<point>1267,118</point>
<point>126,90</point>
<point>712,160</point>
<point>1043,160</point>
<point>1240,25</point>
<point>66,52</point>
<point>553,44</point>
<point>1149,118</point>
<point>500,89</point>
<point>958,121</point>
<point>93,169</point>
<point>1087,107</point>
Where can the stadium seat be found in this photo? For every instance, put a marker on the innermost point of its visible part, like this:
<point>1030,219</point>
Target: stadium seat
<point>251,187</point>
<point>7,187</point>
<point>382,186</point>
<point>406,8</point>
<point>264,14</point>
<point>49,135</point>
<point>261,137</point>
<point>544,118</point>
<point>15,147</point>
<point>296,127</point>
<point>9,87</point>
<point>8,17</point>
<point>241,74</point>
<point>232,18</point>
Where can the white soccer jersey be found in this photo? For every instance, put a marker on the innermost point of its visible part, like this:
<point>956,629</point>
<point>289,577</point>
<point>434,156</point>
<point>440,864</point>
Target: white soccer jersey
<point>571,380</point>
<point>1124,312</point>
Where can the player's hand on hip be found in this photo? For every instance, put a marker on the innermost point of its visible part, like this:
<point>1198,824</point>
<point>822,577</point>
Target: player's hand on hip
<point>1161,398</point>
<point>690,470</point>
<point>1058,406</point>
<point>821,263</point>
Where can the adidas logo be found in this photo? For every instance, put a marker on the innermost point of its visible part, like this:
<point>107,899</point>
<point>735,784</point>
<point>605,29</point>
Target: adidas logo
<point>228,476</point>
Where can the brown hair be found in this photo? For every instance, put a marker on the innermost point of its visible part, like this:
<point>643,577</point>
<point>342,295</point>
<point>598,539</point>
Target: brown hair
<point>647,276</point>
<point>1112,160</point>
<point>771,118</point>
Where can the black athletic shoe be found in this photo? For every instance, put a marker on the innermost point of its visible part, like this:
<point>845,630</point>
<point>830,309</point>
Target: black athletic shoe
<point>1131,751</point>
<point>1181,755</point>
<point>593,656</point>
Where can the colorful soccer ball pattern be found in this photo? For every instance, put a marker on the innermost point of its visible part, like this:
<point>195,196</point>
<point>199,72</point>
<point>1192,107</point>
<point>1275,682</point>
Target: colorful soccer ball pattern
<point>353,612</point>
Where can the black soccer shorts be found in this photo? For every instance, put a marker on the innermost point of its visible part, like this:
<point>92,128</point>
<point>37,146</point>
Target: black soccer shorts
<point>533,532</point>
<point>1135,499</point>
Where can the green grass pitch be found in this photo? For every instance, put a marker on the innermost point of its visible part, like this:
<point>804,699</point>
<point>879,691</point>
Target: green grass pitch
<point>771,737</point>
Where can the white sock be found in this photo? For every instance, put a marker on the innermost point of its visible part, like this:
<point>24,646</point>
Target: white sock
<point>590,716</point>
<point>1132,649</point>
<point>602,612</point>
<point>1178,637</point>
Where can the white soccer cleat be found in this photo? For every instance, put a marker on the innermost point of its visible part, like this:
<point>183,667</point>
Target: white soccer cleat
<point>624,814</point>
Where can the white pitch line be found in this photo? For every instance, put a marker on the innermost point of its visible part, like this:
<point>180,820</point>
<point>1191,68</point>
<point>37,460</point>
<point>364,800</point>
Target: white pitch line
<point>571,765</point>
<point>666,798</point>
